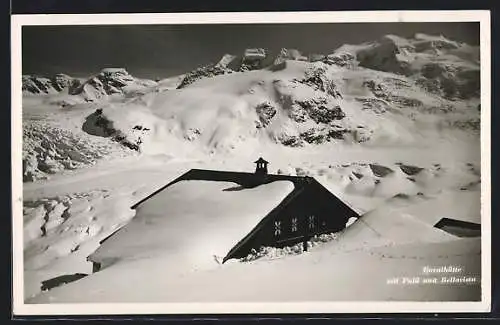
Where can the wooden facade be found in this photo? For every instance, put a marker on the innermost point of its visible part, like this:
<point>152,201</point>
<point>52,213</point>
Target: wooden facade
<point>310,209</point>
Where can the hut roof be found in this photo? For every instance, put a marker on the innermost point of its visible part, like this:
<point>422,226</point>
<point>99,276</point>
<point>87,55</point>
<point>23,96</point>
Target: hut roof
<point>193,220</point>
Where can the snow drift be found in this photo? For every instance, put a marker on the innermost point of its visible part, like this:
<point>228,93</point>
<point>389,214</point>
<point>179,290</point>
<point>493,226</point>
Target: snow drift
<point>191,223</point>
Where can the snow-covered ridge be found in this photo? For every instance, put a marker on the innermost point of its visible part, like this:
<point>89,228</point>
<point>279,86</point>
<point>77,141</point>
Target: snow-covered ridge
<point>250,59</point>
<point>391,53</point>
<point>440,65</point>
<point>109,81</point>
<point>49,85</point>
<point>389,91</point>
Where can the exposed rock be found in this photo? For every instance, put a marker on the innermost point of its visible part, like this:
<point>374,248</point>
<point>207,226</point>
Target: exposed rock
<point>314,136</point>
<point>432,44</point>
<point>254,59</point>
<point>377,89</point>
<point>449,81</point>
<point>107,82</point>
<point>381,91</point>
<point>48,85</point>
<point>380,171</point>
<point>290,140</point>
<point>375,105</point>
<point>61,81</point>
<point>384,56</point>
<point>265,112</point>
<point>36,85</point>
<point>208,71</point>
<point>410,170</point>
<point>98,124</point>
<point>192,134</point>
<point>341,59</point>
<point>317,78</point>
<point>314,57</point>
<point>229,61</point>
<point>320,111</point>
<point>321,135</point>
<point>290,54</point>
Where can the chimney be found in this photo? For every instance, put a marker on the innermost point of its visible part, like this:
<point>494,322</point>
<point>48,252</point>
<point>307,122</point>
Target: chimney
<point>261,167</point>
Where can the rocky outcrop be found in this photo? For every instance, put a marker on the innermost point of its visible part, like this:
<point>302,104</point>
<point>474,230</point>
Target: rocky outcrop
<point>36,85</point>
<point>208,71</point>
<point>229,61</point>
<point>386,55</point>
<point>289,54</point>
<point>317,109</point>
<point>108,82</point>
<point>99,125</point>
<point>48,85</point>
<point>389,94</point>
<point>341,59</point>
<point>265,112</point>
<point>254,59</point>
<point>433,44</point>
<point>318,79</point>
<point>450,81</point>
<point>441,66</point>
<point>62,81</point>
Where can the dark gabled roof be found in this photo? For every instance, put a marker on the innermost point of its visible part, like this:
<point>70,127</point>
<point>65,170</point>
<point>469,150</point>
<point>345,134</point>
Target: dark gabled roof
<point>289,198</point>
<point>250,180</point>
<point>261,160</point>
<point>241,178</point>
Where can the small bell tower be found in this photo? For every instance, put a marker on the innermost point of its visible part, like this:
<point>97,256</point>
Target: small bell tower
<point>261,167</point>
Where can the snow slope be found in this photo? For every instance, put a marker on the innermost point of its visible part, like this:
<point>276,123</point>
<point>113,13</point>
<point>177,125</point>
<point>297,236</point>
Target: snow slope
<point>228,112</point>
<point>294,103</point>
<point>316,276</point>
<point>325,273</point>
<point>397,239</point>
<point>402,224</point>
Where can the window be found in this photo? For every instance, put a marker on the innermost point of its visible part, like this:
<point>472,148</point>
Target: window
<point>277,228</point>
<point>294,224</point>
<point>311,222</point>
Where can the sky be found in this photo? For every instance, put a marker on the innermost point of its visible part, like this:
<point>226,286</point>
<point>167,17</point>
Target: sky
<point>160,51</point>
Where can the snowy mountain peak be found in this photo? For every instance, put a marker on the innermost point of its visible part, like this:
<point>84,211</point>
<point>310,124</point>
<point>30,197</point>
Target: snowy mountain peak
<point>62,81</point>
<point>413,56</point>
<point>114,71</point>
<point>36,85</point>
<point>111,81</point>
<point>226,60</point>
<point>434,44</point>
<point>398,40</point>
<point>118,74</point>
<point>292,54</point>
<point>427,37</point>
<point>48,85</point>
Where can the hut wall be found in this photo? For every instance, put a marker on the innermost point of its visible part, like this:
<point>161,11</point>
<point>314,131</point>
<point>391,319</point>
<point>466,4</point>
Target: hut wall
<point>312,212</point>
